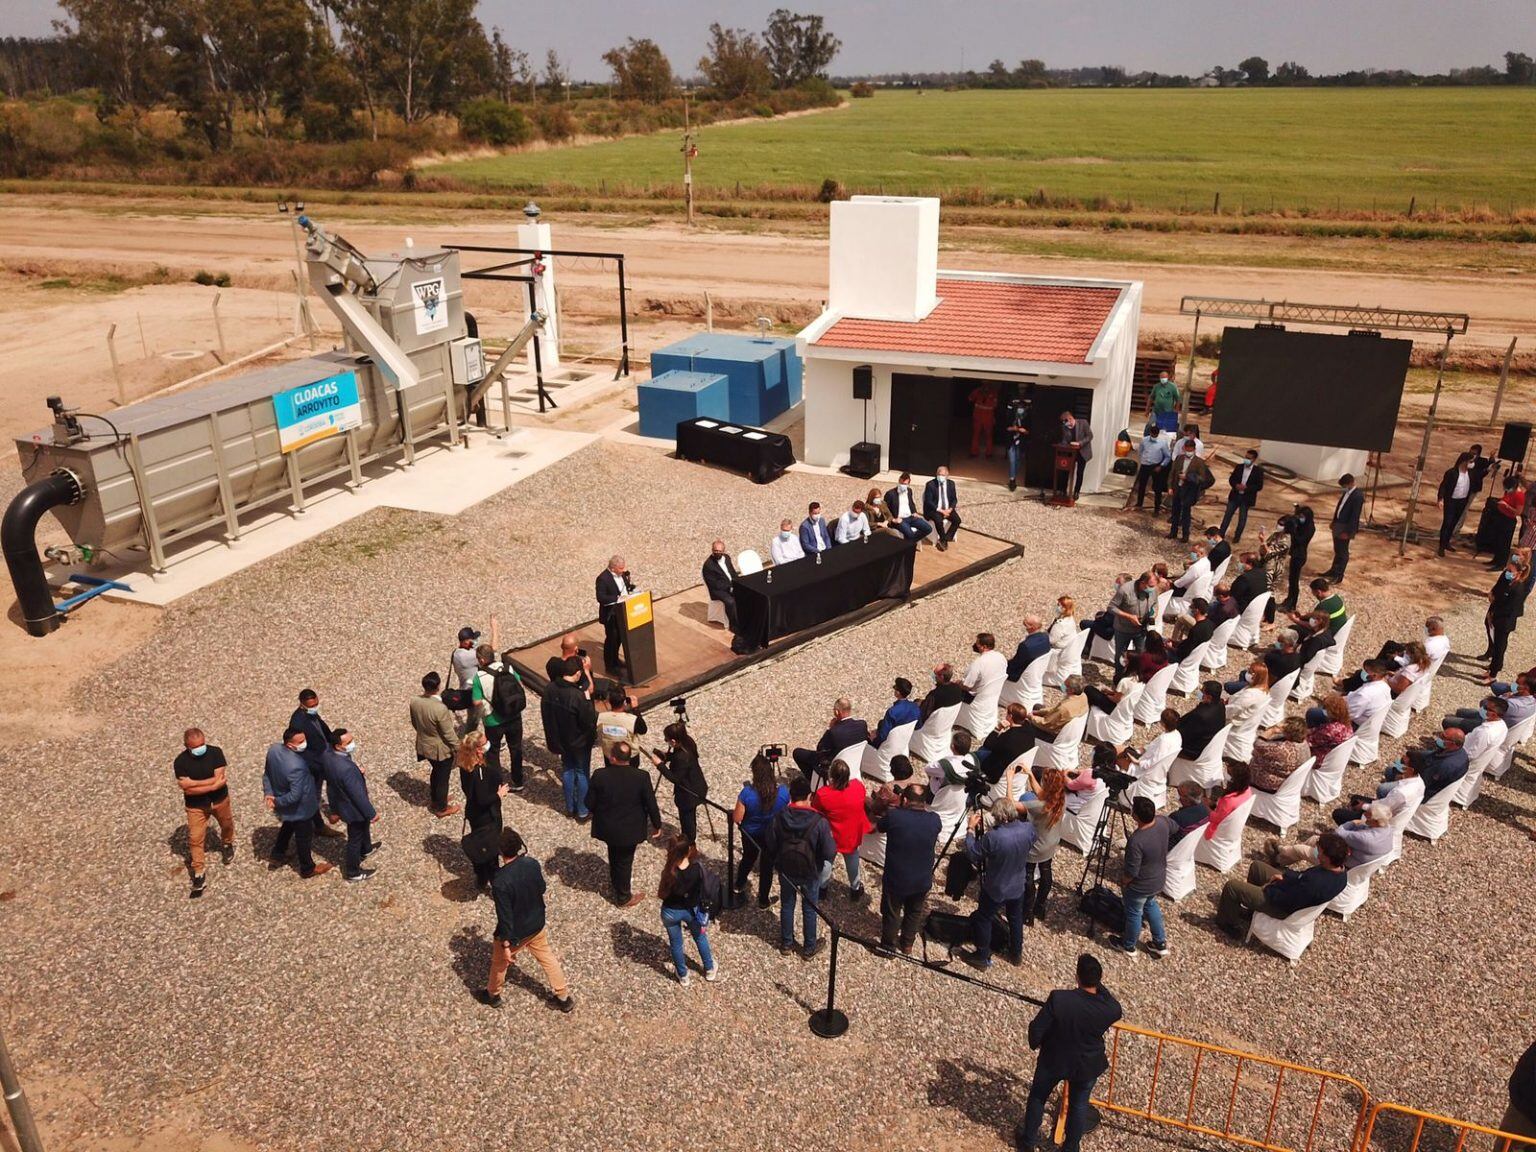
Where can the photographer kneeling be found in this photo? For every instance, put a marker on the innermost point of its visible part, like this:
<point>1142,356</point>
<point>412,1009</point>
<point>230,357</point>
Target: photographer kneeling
<point>1002,856</point>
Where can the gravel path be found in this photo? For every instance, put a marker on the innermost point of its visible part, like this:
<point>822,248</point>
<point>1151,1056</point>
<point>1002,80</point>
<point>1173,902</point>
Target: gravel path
<point>276,1010</point>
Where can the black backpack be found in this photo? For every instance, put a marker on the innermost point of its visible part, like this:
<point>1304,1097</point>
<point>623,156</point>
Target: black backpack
<point>795,857</point>
<point>507,696</point>
<point>711,898</point>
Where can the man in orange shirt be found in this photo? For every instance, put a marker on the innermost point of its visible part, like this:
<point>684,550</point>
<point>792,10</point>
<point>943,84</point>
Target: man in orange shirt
<point>983,417</point>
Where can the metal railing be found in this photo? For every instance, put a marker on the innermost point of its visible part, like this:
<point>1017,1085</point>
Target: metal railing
<point>1436,1124</point>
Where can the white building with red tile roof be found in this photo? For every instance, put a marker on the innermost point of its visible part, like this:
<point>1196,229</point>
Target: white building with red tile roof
<point>929,338</point>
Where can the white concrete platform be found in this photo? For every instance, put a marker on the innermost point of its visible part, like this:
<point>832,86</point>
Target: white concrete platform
<point>443,481</point>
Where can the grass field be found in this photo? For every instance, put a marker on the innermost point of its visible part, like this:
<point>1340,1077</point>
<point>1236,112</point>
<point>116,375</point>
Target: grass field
<point>1314,151</point>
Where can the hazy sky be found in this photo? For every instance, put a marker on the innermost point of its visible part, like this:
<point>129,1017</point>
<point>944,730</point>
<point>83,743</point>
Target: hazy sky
<point>1186,36</point>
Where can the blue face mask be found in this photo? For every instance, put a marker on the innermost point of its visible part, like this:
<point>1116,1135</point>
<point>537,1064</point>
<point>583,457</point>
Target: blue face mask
<point>1193,556</point>
<point>1439,741</point>
<point>1508,575</point>
<point>1483,712</point>
<point>200,750</point>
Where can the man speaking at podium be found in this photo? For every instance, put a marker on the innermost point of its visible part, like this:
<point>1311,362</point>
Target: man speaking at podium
<point>613,586</point>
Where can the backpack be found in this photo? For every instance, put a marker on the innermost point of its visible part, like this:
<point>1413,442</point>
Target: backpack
<point>795,857</point>
<point>507,696</point>
<point>711,898</point>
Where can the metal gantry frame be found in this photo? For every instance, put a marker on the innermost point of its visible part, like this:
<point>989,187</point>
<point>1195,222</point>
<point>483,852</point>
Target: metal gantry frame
<point>1354,316</point>
<point>527,257</point>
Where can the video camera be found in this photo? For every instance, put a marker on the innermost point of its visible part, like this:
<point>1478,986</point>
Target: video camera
<point>679,705</point>
<point>1104,769</point>
<point>773,753</point>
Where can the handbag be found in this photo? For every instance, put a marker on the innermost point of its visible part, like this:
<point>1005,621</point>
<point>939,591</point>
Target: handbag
<point>481,844</point>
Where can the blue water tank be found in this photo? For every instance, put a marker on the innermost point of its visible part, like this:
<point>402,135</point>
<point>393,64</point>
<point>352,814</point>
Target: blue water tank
<point>764,373</point>
<point>670,398</point>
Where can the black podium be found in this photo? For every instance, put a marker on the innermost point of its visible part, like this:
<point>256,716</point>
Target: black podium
<point>637,634</point>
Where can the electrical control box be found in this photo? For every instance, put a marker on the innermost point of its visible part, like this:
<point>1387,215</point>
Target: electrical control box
<point>468,360</point>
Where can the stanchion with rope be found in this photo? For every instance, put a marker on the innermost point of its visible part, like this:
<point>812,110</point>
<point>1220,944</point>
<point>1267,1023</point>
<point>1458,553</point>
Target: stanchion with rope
<point>829,1023</point>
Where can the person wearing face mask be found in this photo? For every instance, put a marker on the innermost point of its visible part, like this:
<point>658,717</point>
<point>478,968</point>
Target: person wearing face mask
<point>905,510</point>
<point>290,791</point>
<point>1506,604</point>
<point>199,768</point>
<point>1163,404</point>
<point>1197,572</point>
<point>1152,457</point>
<point>318,737</point>
<point>940,501</point>
<point>719,573</point>
<point>1016,436</point>
<point>1076,433</point>
<point>1217,550</point>
<point>1246,482</point>
<point>1344,526</point>
<point>815,536</point>
<point>1440,762</point>
<point>1189,478</point>
<point>347,790</point>
<point>785,547</point>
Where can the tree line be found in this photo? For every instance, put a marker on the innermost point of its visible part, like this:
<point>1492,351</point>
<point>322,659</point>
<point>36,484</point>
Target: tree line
<point>1254,72</point>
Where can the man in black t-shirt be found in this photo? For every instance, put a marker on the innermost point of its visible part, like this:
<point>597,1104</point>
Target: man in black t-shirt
<point>199,771</point>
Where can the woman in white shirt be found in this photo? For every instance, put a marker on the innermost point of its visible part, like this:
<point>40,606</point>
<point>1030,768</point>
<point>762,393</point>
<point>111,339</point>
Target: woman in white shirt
<point>1254,698</point>
<point>1065,629</point>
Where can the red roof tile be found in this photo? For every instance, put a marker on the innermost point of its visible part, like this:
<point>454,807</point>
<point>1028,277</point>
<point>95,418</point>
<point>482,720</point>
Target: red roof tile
<point>1055,323</point>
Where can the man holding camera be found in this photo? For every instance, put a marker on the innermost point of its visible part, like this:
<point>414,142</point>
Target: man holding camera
<point>1132,610</point>
<point>1001,855</point>
<point>1146,867</point>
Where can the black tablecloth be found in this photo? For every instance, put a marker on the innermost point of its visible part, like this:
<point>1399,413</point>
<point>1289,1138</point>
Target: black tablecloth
<point>760,455</point>
<point>803,593</point>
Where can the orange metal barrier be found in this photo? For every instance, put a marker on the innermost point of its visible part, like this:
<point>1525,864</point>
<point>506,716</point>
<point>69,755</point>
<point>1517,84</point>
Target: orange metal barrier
<point>1502,1141</point>
<point>1247,1111</point>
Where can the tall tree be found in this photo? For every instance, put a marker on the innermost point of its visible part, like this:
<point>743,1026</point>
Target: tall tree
<point>1290,72</point>
<point>408,49</point>
<point>124,42</point>
<point>735,64</point>
<point>1519,68</point>
<point>508,65</point>
<point>1255,70</point>
<point>555,78</point>
<point>641,71</point>
<point>1030,73</point>
<point>797,47</point>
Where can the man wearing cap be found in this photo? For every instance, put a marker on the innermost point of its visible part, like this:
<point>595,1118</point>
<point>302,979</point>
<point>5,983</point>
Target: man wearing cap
<point>903,710</point>
<point>465,664</point>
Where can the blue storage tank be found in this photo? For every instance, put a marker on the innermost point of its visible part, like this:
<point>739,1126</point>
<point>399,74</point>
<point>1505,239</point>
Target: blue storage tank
<point>763,372</point>
<point>666,400</point>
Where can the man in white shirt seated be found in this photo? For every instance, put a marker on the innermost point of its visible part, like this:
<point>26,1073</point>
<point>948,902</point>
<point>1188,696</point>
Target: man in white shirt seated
<point>1485,725</point>
<point>1191,583</point>
<point>786,545</point>
<point>852,525</point>
<point>1369,838</point>
<point>983,682</point>
<point>1437,645</point>
<point>947,776</point>
<point>906,512</point>
<point>1371,697</point>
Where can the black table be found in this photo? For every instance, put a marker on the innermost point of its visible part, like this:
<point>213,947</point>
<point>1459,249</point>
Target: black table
<point>752,451</point>
<point>803,593</point>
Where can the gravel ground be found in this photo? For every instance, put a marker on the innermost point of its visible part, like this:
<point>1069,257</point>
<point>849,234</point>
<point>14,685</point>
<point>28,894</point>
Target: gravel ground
<point>275,1010</point>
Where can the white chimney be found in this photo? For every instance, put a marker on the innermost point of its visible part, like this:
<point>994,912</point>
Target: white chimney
<point>884,257</point>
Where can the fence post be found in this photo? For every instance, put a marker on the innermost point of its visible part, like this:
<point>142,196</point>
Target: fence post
<point>709,312</point>
<point>1498,397</point>
<point>218,325</point>
<point>117,372</point>
<point>829,1023</point>
<point>143,343</point>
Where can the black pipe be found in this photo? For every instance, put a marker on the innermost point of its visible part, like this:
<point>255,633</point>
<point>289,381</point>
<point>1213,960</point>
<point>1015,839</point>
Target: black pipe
<point>17,537</point>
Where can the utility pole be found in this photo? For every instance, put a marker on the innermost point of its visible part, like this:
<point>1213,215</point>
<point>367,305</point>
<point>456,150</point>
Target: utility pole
<point>690,150</point>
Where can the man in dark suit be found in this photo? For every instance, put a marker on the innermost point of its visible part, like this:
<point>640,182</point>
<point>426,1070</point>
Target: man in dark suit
<point>1452,496</point>
<point>1188,478</point>
<point>347,789</point>
<point>1250,582</point>
<point>1344,525</point>
<point>318,738</point>
<point>815,536</point>
<point>940,501</point>
<point>1203,721</point>
<point>1199,632</point>
<point>1246,482</point>
<point>1216,547</point>
<point>1068,1032</point>
<point>622,802</point>
<point>843,731</point>
<point>1077,434</point>
<point>613,585</point>
<point>720,580</point>
<point>901,504</point>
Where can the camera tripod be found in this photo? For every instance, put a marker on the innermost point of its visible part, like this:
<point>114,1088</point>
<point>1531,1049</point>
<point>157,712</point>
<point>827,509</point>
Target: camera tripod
<point>1096,862</point>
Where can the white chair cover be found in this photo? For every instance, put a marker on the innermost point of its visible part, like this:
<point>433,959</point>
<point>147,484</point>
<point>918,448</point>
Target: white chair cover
<point>1115,727</point>
<point>1225,849</point>
<point>1282,807</point>
<point>1215,658</point>
<point>1400,824</point>
<point>749,562</point>
<point>1062,752</point>
<point>979,717</point>
<point>1026,690</point>
<point>1289,937</point>
<point>1246,635</point>
<point>1220,572</point>
<point>1163,601</point>
<point>1308,678</point>
<point>1433,818</point>
<point>1327,780</point>
<point>1154,696</point>
<point>1101,649</point>
<point>1187,675</point>
<point>1064,662</point>
<point>1400,711</point>
<point>1333,657</point>
<point>1152,777</point>
<point>853,756</point>
<point>1077,827</point>
<point>1240,743</point>
<point>1357,887</point>
<point>1274,711</point>
<point>1020,786</point>
<point>1368,738</point>
<point>1519,733</point>
<point>1179,879</point>
<point>1421,701</point>
<point>931,741</point>
<point>1206,769</point>
<point>715,613</point>
<point>877,758</point>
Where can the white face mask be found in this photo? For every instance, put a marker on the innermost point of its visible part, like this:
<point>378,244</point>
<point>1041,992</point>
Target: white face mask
<point>352,749</point>
<point>785,534</point>
<point>300,747</point>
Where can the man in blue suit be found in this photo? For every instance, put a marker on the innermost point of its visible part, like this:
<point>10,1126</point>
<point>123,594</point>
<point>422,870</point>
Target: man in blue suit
<point>318,740</point>
<point>939,503</point>
<point>815,536</point>
<point>347,790</point>
<point>903,710</point>
<point>290,789</point>
<point>902,506</point>
<point>1036,643</point>
<point>1345,525</point>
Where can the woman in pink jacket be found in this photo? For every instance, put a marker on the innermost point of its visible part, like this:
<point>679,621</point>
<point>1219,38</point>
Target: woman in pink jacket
<point>1232,796</point>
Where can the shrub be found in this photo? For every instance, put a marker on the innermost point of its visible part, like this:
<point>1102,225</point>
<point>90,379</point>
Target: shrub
<point>861,90</point>
<point>831,190</point>
<point>210,280</point>
<point>492,122</point>
<point>326,124</point>
<point>555,122</point>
